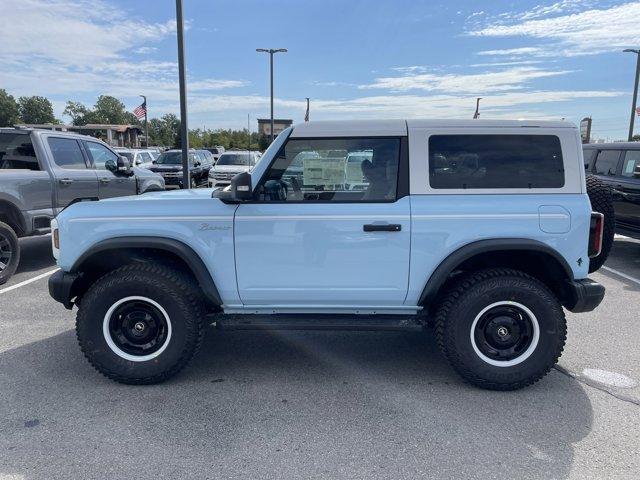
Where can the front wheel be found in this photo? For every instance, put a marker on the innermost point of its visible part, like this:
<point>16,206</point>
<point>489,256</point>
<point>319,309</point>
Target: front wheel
<point>141,323</point>
<point>9,252</point>
<point>501,329</point>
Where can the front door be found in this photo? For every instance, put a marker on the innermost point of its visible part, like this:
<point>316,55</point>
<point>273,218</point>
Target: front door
<point>74,177</point>
<point>324,231</point>
<point>110,184</point>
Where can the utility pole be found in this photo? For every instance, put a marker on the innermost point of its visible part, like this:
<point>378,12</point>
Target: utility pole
<point>635,91</point>
<point>184,128</point>
<point>271,51</point>
<point>146,124</point>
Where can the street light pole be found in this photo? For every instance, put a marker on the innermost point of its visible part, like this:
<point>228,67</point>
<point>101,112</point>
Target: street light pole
<point>271,51</point>
<point>184,129</point>
<point>635,91</point>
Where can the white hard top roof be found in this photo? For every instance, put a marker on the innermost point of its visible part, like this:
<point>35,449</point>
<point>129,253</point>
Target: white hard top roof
<point>394,128</point>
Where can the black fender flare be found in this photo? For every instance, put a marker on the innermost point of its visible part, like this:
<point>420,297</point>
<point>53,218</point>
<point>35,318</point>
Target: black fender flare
<point>178,248</point>
<point>457,257</point>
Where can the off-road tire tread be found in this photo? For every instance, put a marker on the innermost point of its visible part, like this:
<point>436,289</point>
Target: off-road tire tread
<point>186,289</point>
<point>453,294</point>
<point>8,272</point>
<point>601,198</point>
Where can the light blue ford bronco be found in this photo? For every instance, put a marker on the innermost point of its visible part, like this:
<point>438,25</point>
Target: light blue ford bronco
<point>480,229</point>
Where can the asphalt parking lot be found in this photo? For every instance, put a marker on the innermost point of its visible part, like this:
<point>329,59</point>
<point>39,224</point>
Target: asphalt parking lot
<point>317,404</point>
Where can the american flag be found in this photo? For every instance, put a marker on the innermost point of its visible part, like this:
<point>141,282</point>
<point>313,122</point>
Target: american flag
<point>140,111</point>
<point>638,111</point>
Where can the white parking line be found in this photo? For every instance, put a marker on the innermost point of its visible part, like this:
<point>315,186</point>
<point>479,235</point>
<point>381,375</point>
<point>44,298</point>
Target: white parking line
<point>623,275</point>
<point>27,282</point>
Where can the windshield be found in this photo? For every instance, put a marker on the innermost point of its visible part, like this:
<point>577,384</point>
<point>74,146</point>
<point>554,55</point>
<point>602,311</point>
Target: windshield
<point>234,159</point>
<point>170,158</point>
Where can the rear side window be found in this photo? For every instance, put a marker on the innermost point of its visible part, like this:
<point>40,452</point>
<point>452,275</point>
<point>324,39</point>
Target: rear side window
<point>631,163</point>
<point>589,155</point>
<point>66,153</point>
<point>16,152</point>
<point>495,161</point>
<point>607,162</point>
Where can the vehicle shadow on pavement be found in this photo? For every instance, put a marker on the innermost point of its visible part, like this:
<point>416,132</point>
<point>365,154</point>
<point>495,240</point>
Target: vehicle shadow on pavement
<point>283,404</point>
<point>35,254</point>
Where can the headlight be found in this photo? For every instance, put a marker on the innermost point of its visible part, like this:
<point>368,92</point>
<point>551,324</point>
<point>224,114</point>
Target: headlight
<point>55,239</point>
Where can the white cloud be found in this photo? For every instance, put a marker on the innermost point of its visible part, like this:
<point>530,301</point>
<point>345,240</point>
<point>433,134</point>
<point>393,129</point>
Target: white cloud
<point>83,47</point>
<point>583,33</point>
<point>410,70</point>
<point>512,51</point>
<point>145,50</point>
<point>480,83</point>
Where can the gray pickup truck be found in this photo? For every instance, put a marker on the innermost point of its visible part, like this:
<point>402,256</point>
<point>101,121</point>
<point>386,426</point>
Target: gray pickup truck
<point>42,172</point>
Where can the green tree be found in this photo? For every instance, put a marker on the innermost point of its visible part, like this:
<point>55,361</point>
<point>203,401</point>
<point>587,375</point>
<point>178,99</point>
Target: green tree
<point>77,111</point>
<point>164,131</point>
<point>36,110</point>
<point>9,112</point>
<point>107,110</point>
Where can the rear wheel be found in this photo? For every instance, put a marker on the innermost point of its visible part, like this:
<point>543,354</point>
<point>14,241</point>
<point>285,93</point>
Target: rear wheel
<point>9,252</point>
<point>500,329</point>
<point>602,201</point>
<point>141,323</point>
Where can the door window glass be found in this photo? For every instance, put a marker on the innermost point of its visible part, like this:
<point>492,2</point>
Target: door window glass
<point>100,154</point>
<point>607,162</point>
<point>334,170</point>
<point>16,152</point>
<point>66,153</point>
<point>631,162</point>
<point>495,161</point>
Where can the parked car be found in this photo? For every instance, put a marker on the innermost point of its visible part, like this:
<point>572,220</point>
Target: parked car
<point>618,166</point>
<point>169,165</point>
<point>230,164</point>
<point>138,158</point>
<point>206,160</point>
<point>42,172</point>
<point>490,256</point>
<point>216,152</point>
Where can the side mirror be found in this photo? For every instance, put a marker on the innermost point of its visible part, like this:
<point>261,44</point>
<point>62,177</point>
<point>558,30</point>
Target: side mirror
<point>636,171</point>
<point>124,166</point>
<point>241,186</point>
<point>240,190</point>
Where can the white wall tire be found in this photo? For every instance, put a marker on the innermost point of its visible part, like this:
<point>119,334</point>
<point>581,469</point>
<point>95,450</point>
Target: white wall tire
<point>112,343</point>
<point>124,296</point>
<point>509,366</point>
<point>520,358</point>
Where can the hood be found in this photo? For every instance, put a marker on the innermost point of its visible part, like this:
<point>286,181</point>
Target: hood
<point>188,194</point>
<point>165,168</point>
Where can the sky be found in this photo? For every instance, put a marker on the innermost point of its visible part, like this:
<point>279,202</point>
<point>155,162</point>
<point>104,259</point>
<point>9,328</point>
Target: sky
<point>354,58</point>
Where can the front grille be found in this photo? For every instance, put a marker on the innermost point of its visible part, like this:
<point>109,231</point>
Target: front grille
<point>172,174</point>
<point>224,176</point>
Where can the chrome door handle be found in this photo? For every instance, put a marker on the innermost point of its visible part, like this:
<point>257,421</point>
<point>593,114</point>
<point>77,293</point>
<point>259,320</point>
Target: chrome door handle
<point>66,181</point>
<point>386,227</point>
<point>104,180</point>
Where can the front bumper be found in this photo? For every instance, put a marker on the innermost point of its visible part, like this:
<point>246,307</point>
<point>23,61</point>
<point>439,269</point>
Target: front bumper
<point>583,295</point>
<point>61,287</point>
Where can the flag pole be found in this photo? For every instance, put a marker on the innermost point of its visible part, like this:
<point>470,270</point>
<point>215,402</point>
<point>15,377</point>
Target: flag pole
<point>146,124</point>
<point>306,116</point>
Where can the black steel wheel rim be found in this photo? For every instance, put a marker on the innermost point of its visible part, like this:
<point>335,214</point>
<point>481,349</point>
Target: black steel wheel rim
<point>504,332</point>
<point>6,252</point>
<point>138,328</point>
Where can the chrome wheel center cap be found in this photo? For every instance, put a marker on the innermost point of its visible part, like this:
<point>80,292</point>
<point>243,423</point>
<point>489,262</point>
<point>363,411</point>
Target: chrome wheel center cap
<point>139,327</point>
<point>503,332</point>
